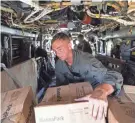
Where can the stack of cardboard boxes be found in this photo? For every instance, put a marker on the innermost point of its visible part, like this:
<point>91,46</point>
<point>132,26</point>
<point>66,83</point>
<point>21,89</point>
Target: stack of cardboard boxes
<point>17,106</point>
<point>58,106</point>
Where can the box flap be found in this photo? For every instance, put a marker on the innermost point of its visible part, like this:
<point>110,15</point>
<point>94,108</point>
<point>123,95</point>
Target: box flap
<point>13,102</point>
<point>129,89</point>
<point>121,112</point>
<point>66,94</point>
<point>122,108</point>
<point>129,92</point>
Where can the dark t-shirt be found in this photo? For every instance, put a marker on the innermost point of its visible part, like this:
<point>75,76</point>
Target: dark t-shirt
<point>85,47</point>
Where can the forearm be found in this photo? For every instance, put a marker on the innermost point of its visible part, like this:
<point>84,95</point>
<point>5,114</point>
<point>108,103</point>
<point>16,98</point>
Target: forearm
<point>105,88</point>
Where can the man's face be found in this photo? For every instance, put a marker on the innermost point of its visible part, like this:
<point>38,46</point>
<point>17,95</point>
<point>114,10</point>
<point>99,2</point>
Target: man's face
<point>61,48</point>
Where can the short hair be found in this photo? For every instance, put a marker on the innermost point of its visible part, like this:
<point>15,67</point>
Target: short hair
<point>60,35</point>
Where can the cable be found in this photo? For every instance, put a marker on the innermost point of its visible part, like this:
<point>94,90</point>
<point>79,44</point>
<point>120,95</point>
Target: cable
<point>8,10</point>
<point>43,13</point>
<point>22,26</point>
<point>105,16</point>
<point>26,19</point>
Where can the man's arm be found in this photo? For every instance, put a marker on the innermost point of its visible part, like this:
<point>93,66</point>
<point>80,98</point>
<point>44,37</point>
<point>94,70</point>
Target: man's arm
<point>105,83</point>
<point>60,78</point>
<point>103,89</point>
<point>98,100</point>
<point>101,76</point>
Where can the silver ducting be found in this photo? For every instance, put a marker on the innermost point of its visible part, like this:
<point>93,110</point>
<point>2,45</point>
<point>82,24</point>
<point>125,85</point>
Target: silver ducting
<point>128,32</point>
<point>16,32</point>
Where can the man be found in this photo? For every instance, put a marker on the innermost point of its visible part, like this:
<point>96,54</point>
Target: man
<point>116,51</point>
<point>125,52</point>
<point>83,45</point>
<point>77,66</point>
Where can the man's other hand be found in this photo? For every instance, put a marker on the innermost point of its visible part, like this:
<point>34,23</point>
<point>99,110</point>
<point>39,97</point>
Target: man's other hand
<point>97,103</point>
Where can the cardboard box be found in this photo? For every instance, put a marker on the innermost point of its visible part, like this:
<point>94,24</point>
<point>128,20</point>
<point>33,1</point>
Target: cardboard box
<point>122,109</point>
<point>17,105</point>
<point>31,117</point>
<point>58,105</point>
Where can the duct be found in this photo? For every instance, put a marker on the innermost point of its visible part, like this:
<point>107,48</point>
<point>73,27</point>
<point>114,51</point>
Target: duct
<point>128,32</point>
<point>17,32</point>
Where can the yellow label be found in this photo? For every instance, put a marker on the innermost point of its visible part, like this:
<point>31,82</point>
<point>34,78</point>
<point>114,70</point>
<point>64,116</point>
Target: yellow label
<point>97,15</point>
<point>133,53</point>
<point>128,41</point>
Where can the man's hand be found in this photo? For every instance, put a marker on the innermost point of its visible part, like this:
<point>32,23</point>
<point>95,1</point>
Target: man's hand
<point>98,101</point>
<point>98,106</point>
